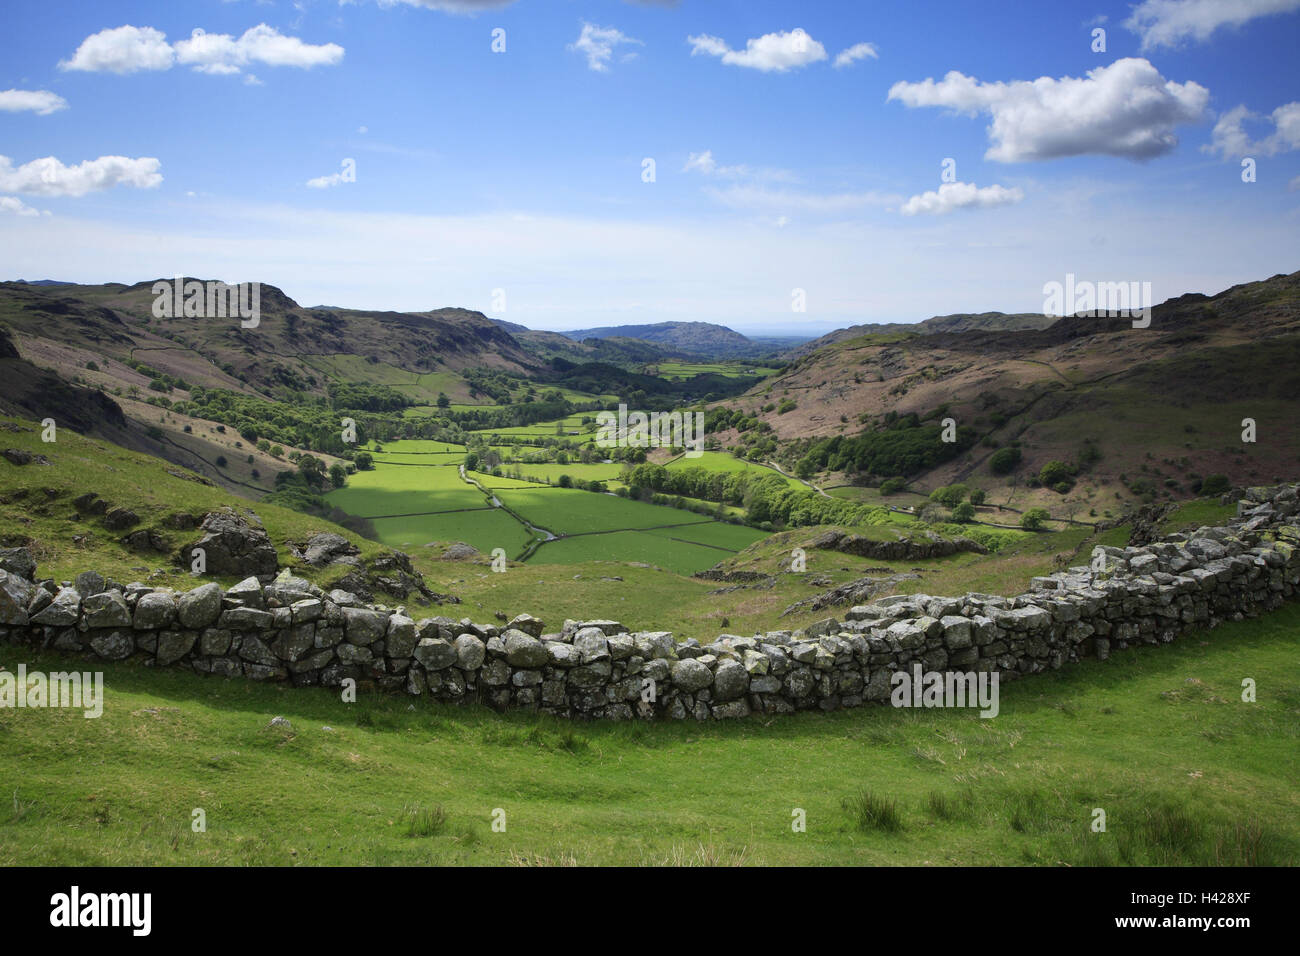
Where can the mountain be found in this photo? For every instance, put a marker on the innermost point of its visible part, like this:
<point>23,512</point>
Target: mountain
<point>957,322</point>
<point>1153,408</point>
<point>696,338</point>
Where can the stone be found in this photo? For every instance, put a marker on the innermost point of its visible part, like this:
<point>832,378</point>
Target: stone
<point>691,675</point>
<point>401,636</point>
<point>523,650</point>
<point>174,645</point>
<point>114,645</point>
<point>730,681</point>
<point>200,607</point>
<point>591,645</point>
<point>470,652</point>
<point>63,611</point>
<point>106,609</point>
<point>435,653</point>
<point>156,609</point>
<point>231,546</point>
<point>19,561</point>
<point>365,626</point>
<point>526,623</point>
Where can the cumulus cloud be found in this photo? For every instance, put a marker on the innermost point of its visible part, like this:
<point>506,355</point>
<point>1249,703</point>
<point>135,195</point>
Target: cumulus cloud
<point>9,204</point>
<point>859,51</point>
<point>133,49</point>
<point>1170,22</point>
<point>40,102</point>
<point>1125,109</point>
<point>1230,139</point>
<point>772,52</point>
<point>122,50</point>
<point>953,196</point>
<point>49,177</point>
<point>223,53</point>
<point>598,43</point>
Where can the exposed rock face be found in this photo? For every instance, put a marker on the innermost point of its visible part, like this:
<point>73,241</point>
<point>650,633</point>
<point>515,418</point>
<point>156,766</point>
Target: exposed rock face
<point>327,548</point>
<point>232,546</point>
<point>18,561</point>
<point>460,551</point>
<point>291,630</point>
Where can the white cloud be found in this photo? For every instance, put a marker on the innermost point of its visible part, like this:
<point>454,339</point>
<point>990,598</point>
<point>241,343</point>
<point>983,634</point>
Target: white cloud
<point>598,43</point>
<point>859,51</point>
<point>772,52</point>
<point>326,182</point>
<point>1293,185</point>
<point>41,102</point>
<point>8,204</point>
<point>1230,139</point>
<point>1170,22</point>
<point>706,165</point>
<point>223,53</point>
<point>1125,109</point>
<point>953,196</point>
<point>132,49</point>
<point>49,177</point>
<point>122,50</point>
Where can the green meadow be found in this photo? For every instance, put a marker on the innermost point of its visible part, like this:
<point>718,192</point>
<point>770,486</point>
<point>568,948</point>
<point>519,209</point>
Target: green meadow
<point>1157,737</point>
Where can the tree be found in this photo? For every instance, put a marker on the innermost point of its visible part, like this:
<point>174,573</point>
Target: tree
<point>964,512</point>
<point>1005,460</point>
<point>1056,473</point>
<point>471,462</point>
<point>949,495</point>
<point>977,497</point>
<point>1033,519</point>
<point>338,476</point>
<point>565,481</point>
<point>443,400</point>
<point>363,460</point>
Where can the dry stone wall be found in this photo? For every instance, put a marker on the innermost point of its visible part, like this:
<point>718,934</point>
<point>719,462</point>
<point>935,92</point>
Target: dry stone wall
<point>289,630</point>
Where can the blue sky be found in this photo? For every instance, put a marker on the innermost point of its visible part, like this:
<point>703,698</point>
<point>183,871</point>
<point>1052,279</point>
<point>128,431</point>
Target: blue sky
<point>779,165</point>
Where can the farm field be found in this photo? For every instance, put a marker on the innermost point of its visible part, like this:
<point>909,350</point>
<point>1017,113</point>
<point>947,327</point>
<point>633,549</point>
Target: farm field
<point>728,464</point>
<point>683,370</point>
<point>486,528</point>
<point>572,512</point>
<point>655,548</point>
<point>404,490</point>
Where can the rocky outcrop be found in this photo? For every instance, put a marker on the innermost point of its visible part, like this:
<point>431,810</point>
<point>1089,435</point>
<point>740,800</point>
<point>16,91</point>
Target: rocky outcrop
<point>290,630</point>
<point>231,546</point>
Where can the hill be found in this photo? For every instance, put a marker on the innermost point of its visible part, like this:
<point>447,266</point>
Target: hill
<point>697,338</point>
<point>1136,414</point>
<point>957,322</point>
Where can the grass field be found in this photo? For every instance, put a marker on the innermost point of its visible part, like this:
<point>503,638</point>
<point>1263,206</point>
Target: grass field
<point>1157,737</point>
<point>404,490</point>
<point>486,529</point>
<point>569,511</point>
<point>728,464</point>
<point>683,370</point>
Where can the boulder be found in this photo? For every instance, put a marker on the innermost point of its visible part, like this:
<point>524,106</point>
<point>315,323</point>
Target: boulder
<point>232,546</point>
<point>18,561</point>
<point>15,594</point>
<point>106,609</point>
<point>155,609</point>
<point>201,607</point>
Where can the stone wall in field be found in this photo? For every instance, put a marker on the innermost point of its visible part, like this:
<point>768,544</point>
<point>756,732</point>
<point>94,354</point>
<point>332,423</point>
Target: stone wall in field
<point>286,629</point>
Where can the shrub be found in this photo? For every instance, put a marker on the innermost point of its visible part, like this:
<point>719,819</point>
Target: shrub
<point>1055,472</point>
<point>221,461</point>
<point>1005,460</point>
<point>1033,519</point>
<point>1215,485</point>
<point>977,496</point>
<point>892,486</point>
<point>964,512</point>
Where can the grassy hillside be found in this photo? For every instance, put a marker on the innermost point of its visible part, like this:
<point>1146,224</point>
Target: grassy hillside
<point>1157,737</point>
